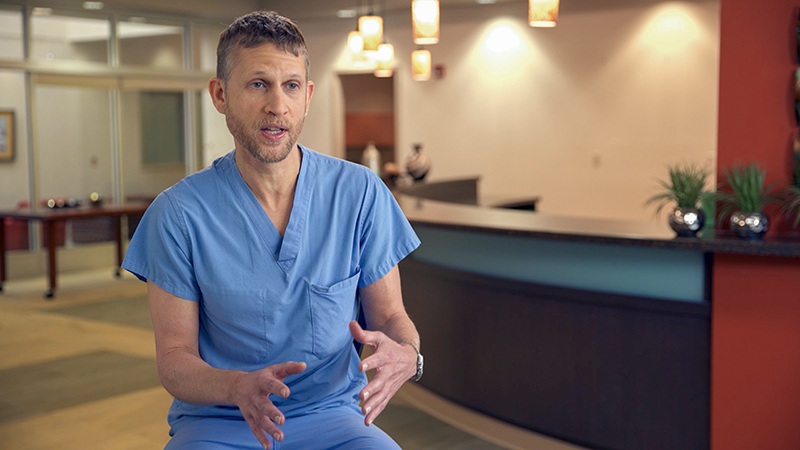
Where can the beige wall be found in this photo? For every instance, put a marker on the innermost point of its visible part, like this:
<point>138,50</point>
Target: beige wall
<point>585,115</point>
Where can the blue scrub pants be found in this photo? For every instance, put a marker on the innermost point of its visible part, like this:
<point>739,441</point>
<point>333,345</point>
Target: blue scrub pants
<point>338,428</point>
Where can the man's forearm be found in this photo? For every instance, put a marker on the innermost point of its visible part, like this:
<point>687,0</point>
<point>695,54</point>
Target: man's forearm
<point>190,379</point>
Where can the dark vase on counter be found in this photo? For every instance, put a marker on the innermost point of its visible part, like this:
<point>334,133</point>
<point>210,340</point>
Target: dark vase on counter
<point>687,222</point>
<point>751,226</point>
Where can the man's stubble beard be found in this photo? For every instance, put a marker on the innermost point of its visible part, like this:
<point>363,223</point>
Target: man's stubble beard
<point>250,143</point>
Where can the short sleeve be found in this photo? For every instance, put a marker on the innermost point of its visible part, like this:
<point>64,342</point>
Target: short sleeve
<point>160,250</point>
<point>386,235</point>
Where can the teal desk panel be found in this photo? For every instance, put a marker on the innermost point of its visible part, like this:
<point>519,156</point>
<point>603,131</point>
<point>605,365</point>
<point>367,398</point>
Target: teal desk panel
<point>638,271</point>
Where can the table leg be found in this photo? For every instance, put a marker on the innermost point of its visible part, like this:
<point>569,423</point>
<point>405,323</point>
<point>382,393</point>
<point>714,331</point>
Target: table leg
<point>50,230</point>
<point>2,252</point>
<point>118,236</point>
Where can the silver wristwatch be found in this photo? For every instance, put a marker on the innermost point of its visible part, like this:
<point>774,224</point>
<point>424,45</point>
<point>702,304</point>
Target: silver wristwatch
<point>420,362</point>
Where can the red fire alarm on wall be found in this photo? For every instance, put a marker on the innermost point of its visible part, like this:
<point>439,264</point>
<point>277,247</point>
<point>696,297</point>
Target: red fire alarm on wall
<point>438,71</point>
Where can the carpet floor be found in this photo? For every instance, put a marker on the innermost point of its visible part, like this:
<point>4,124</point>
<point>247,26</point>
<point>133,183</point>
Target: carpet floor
<point>83,367</point>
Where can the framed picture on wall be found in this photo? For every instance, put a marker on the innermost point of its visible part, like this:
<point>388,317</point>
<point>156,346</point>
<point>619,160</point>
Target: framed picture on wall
<point>6,136</point>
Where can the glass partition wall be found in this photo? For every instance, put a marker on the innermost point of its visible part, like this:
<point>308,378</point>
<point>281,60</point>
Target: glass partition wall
<point>104,103</point>
<point>62,37</point>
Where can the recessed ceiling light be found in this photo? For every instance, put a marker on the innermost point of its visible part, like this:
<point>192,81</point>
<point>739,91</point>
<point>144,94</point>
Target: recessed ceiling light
<point>94,6</point>
<point>346,13</point>
<point>486,2</point>
<point>42,11</point>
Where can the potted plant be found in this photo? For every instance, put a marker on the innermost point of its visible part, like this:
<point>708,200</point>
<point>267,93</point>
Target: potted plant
<point>686,189</point>
<point>792,204</point>
<point>746,200</point>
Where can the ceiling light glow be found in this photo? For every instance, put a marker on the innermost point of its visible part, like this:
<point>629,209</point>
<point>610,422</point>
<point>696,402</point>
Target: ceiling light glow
<point>38,11</point>
<point>502,39</point>
<point>93,6</point>
<point>346,13</point>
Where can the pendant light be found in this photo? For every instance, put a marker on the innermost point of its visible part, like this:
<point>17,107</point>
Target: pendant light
<point>371,29</point>
<point>385,61</point>
<point>425,21</point>
<point>542,13</point>
<point>355,42</point>
<point>421,65</point>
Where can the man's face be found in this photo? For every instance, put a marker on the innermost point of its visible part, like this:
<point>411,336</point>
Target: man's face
<point>265,101</point>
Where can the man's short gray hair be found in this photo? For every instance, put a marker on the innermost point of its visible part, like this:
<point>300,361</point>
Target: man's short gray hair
<point>254,29</point>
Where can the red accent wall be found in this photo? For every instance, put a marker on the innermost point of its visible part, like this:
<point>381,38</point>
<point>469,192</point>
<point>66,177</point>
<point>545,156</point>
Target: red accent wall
<point>758,58</point>
<point>755,361</point>
<point>360,128</point>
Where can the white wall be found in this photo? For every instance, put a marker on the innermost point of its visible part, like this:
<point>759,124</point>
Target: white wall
<point>73,141</point>
<point>14,174</point>
<point>141,180</point>
<point>585,115</point>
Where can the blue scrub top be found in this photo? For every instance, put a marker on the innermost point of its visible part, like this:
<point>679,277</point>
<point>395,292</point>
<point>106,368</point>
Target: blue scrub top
<point>264,299</point>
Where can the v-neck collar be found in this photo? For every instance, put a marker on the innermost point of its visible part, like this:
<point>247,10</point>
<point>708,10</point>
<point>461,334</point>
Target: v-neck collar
<point>283,249</point>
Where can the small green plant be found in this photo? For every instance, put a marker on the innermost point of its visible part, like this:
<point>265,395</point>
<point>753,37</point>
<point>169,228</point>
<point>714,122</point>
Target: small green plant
<point>748,193</point>
<point>792,204</point>
<point>686,187</point>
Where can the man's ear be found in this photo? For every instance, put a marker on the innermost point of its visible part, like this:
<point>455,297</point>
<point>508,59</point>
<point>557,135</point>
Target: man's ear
<point>216,88</point>
<point>309,93</point>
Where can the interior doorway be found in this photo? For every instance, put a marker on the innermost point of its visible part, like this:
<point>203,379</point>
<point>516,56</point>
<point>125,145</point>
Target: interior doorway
<point>369,115</point>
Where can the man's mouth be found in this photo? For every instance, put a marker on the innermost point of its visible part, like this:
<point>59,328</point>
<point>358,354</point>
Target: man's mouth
<point>273,133</point>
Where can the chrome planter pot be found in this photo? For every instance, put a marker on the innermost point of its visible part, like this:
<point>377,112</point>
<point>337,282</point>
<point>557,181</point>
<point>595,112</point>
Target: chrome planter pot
<point>752,226</point>
<point>686,222</point>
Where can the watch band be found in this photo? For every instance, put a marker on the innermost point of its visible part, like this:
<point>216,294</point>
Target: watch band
<point>420,361</point>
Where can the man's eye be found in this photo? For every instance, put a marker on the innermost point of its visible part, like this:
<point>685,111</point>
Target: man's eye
<point>294,86</point>
<point>257,85</point>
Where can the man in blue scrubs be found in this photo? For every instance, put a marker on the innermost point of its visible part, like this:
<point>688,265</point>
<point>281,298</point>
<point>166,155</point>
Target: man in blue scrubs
<point>257,266</point>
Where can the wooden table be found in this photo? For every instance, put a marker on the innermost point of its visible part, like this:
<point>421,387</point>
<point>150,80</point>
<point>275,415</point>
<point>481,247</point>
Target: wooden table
<point>49,218</point>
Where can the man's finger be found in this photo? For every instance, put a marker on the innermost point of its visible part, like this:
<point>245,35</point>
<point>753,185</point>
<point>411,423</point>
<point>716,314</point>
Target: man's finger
<point>361,335</point>
<point>258,431</point>
<point>375,412</point>
<point>373,387</point>
<point>270,411</point>
<point>372,361</point>
<point>283,370</point>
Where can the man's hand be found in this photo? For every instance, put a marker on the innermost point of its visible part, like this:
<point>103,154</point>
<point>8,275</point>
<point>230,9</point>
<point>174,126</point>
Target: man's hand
<point>393,364</point>
<point>251,391</point>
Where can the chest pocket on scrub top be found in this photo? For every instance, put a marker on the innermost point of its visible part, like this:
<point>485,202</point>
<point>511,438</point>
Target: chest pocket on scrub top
<point>235,321</point>
<point>332,309</point>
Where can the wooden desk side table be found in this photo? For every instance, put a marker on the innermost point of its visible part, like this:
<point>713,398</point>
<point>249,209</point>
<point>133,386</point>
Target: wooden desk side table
<point>49,218</point>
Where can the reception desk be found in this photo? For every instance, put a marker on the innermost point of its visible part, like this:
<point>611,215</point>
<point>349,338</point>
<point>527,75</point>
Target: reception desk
<point>596,332</point>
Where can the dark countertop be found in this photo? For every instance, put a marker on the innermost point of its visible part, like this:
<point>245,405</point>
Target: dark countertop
<point>504,222</point>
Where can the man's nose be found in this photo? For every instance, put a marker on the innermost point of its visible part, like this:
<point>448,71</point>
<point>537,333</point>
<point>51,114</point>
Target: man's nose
<point>276,103</point>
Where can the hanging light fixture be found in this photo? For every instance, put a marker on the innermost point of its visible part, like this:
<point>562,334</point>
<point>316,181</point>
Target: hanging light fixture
<point>355,42</point>
<point>371,29</point>
<point>421,65</point>
<point>542,13</point>
<point>385,61</point>
<point>425,21</point>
